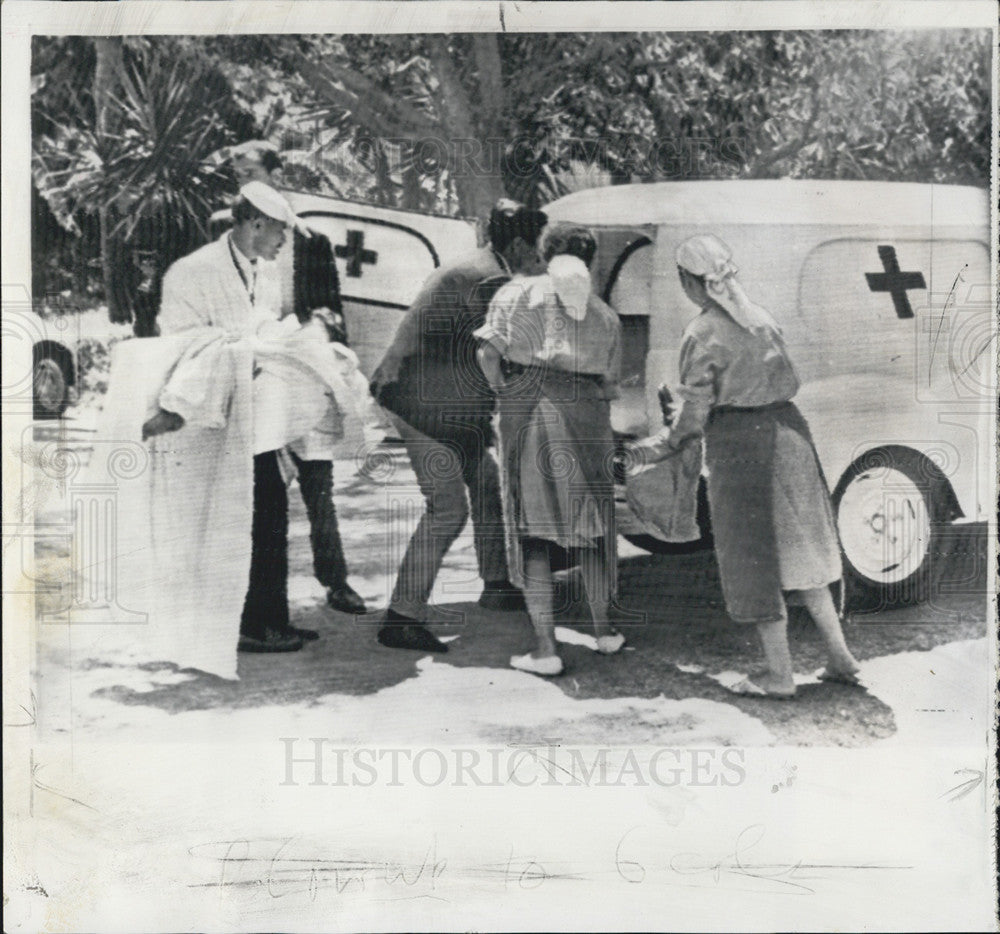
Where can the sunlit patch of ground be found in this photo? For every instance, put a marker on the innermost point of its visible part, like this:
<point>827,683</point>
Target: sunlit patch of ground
<point>663,687</point>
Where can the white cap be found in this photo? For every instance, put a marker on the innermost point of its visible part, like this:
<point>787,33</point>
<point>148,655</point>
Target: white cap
<point>271,202</point>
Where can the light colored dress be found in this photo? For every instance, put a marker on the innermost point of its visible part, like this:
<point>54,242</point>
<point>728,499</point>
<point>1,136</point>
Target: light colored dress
<point>771,514</point>
<point>556,443</point>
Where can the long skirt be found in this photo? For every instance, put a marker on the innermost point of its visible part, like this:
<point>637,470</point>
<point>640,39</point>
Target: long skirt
<point>557,458</point>
<point>771,514</point>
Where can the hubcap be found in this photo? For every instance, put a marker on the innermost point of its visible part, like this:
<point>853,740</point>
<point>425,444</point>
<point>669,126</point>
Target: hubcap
<point>884,525</point>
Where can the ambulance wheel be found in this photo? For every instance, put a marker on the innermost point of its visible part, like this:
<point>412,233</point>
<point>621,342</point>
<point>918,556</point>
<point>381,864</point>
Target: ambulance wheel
<point>657,546</point>
<point>51,378</point>
<point>891,507</point>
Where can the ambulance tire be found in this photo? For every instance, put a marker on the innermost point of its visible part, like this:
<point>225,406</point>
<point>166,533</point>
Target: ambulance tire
<point>657,546</point>
<point>51,377</point>
<point>892,507</point>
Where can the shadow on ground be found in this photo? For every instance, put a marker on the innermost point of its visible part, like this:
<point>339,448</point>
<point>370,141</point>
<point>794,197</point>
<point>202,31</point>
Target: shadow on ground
<point>672,615</point>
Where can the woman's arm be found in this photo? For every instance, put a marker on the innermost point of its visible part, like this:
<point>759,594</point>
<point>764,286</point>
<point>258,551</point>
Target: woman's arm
<point>699,366</point>
<point>489,362</point>
<point>494,334</point>
<point>613,371</point>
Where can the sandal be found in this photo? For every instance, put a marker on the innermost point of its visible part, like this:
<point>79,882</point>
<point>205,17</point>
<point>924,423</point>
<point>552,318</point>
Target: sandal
<point>609,645</point>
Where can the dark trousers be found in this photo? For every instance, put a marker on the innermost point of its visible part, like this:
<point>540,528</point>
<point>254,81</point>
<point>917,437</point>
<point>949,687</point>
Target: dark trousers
<point>266,605</point>
<point>450,479</point>
<point>316,484</point>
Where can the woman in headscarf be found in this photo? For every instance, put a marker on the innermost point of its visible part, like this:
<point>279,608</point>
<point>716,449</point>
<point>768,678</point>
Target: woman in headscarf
<point>771,514</point>
<point>552,351</point>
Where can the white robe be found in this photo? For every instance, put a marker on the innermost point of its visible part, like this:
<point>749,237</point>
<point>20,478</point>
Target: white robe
<point>243,386</point>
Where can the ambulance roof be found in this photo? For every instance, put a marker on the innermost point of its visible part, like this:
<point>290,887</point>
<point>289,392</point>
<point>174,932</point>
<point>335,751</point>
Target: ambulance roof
<point>775,202</point>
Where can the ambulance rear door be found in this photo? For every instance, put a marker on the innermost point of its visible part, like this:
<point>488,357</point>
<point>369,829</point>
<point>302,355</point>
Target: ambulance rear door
<point>622,276</point>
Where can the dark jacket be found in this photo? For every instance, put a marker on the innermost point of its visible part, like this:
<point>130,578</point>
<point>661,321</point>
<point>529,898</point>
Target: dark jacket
<point>429,376</point>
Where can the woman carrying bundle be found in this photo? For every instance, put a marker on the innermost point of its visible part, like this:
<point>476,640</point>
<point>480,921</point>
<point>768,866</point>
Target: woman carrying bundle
<point>771,513</point>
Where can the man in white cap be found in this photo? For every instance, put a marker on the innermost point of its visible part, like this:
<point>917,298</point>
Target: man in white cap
<point>309,287</point>
<point>224,285</point>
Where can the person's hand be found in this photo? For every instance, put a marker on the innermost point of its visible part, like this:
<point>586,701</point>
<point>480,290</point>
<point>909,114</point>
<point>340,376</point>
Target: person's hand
<point>161,423</point>
<point>667,406</point>
<point>332,322</point>
<point>632,456</point>
<point>325,315</point>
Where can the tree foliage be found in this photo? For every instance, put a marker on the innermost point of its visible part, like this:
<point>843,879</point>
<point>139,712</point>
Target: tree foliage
<point>450,122</point>
<point>130,146</point>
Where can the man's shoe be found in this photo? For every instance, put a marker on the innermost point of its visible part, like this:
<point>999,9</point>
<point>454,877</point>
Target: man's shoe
<point>403,632</point>
<point>306,635</point>
<point>346,600</point>
<point>273,640</point>
<point>502,595</point>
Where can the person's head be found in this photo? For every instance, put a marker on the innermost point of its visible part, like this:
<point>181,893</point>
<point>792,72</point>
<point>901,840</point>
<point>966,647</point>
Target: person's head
<point>261,218</point>
<point>255,162</point>
<point>699,259</point>
<point>568,250</point>
<point>708,276</point>
<point>694,286</point>
<point>569,240</point>
<point>514,231</point>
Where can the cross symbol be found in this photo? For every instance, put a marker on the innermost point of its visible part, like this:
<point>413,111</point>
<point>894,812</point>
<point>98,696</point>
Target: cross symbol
<point>355,253</point>
<point>895,282</point>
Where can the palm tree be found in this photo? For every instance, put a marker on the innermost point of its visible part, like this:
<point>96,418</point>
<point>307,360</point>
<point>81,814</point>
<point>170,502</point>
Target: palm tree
<point>139,160</point>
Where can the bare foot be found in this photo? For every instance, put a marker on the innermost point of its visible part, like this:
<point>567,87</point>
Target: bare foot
<point>838,676</point>
<point>764,684</point>
<point>842,664</point>
<point>548,667</point>
<point>162,422</point>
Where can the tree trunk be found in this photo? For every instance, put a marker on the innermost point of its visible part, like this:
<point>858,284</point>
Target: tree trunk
<point>492,104</point>
<point>106,71</point>
<point>477,191</point>
<point>383,176</point>
<point>412,190</point>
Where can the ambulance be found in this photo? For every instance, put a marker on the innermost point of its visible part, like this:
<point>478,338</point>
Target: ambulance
<point>884,296</point>
<point>383,257</point>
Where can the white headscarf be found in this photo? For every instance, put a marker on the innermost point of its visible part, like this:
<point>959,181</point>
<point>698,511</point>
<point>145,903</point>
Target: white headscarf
<point>707,256</point>
<point>571,281</point>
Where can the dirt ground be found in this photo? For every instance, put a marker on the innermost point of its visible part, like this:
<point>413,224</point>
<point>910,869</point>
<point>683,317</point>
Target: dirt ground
<point>679,637</point>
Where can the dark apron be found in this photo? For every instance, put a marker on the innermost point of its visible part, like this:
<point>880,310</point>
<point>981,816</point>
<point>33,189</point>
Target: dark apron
<point>739,453</point>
